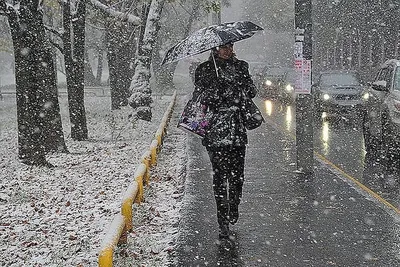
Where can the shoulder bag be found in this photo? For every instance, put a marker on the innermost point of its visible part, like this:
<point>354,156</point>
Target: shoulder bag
<point>252,115</point>
<point>195,117</point>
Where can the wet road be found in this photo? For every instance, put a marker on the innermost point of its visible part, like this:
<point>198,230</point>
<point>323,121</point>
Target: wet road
<point>339,142</point>
<point>286,219</point>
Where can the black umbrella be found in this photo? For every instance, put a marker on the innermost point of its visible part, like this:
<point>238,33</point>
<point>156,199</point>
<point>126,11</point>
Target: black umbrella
<point>212,36</point>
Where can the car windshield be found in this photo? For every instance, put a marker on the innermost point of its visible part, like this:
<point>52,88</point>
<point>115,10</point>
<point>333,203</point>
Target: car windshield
<point>338,79</point>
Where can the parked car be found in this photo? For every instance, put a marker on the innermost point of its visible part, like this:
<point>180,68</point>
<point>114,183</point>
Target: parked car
<point>338,92</point>
<point>278,83</point>
<point>381,120</point>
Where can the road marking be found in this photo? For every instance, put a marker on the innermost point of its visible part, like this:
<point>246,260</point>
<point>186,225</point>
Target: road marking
<point>354,180</point>
<point>362,186</point>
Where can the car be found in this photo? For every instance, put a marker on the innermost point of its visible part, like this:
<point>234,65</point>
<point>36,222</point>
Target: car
<point>287,90</point>
<point>381,120</point>
<point>338,92</point>
<point>277,83</point>
<point>256,71</point>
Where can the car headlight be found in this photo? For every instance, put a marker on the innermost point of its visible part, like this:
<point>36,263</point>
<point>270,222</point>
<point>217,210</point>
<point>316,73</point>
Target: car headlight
<point>326,97</point>
<point>268,83</point>
<point>289,88</point>
<point>365,96</point>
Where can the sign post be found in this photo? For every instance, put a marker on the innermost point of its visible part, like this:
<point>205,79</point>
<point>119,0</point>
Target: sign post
<point>304,100</point>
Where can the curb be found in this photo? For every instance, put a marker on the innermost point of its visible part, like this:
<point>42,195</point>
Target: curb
<point>122,223</point>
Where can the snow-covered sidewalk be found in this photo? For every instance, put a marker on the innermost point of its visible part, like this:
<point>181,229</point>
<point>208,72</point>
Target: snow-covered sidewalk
<point>58,217</point>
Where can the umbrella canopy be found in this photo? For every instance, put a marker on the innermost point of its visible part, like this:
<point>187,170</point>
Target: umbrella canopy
<point>209,37</point>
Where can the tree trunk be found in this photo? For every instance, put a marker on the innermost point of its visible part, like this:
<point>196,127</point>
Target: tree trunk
<point>99,71</point>
<point>120,52</point>
<point>140,98</point>
<point>90,79</point>
<point>30,124</point>
<point>74,66</point>
<point>143,16</point>
<point>38,116</point>
<point>47,78</point>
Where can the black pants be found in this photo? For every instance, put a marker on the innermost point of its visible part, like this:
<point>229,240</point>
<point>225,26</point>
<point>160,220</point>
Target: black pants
<point>228,167</point>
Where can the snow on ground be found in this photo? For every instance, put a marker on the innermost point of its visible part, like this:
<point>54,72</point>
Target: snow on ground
<point>58,217</point>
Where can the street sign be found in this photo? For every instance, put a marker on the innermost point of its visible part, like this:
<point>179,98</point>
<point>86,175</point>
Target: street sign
<point>302,67</point>
<point>303,76</point>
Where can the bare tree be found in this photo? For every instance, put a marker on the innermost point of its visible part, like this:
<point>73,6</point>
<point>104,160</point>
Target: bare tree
<point>121,24</point>
<point>121,48</point>
<point>74,14</point>
<point>95,43</point>
<point>39,122</point>
<point>140,98</point>
<point>74,49</point>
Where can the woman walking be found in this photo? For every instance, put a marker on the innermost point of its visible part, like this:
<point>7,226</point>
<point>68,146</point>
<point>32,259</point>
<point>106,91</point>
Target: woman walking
<point>222,82</point>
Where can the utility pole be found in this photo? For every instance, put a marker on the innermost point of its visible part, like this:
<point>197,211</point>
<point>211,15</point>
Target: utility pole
<point>304,100</point>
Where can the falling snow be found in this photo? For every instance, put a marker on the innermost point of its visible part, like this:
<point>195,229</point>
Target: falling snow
<point>58,217</point>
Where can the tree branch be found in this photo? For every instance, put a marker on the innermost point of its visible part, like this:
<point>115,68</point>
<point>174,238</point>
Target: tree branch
<point>113,13</point>
<point>54,31</point>
<point>94,26</point>
<point>61,49</point>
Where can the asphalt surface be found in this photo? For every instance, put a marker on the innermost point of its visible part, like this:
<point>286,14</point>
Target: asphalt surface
<point>286,219</point>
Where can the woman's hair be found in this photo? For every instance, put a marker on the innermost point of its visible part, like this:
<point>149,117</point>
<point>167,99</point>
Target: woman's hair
<point>214,51</point>
<point>225,45</point>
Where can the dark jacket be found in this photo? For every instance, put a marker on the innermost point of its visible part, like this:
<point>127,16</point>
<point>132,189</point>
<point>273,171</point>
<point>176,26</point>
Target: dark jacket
<point>224,97</point>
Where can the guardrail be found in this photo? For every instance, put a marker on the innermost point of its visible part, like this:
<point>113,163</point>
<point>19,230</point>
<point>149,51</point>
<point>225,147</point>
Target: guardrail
<point>100,91</point>
<point>122,223</point>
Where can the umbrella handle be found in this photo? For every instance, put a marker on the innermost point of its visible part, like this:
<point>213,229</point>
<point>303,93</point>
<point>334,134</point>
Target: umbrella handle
<point>215,64</point>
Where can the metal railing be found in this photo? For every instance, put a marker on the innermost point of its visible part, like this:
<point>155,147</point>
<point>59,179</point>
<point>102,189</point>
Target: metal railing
<point>122,223</point>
